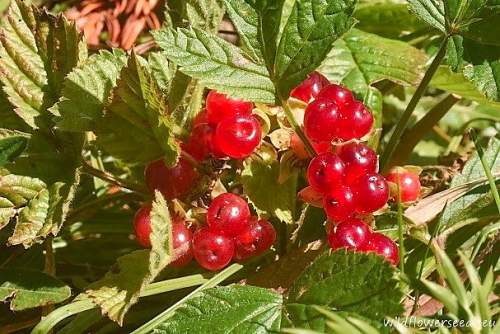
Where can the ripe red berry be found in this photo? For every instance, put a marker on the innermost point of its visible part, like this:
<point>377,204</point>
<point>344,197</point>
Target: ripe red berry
<point>228,213</point>
<point>409,185</point>
<point>212,249</point>
<point>321,120</point>
<point>310,87</point>
<point>256,239</point>
<point>299,148</point>
<point>325,172</point>
<point>201,118</point>
<point>238,136</point>
<point>359,160</point>
<point>142,226</point>
<point>182,236</point>
<point>339,204</point>
<point>172,182</point>
<point>200,143</point>
<point>357,121</point>
<point>337,93</point>
<point>383,246</point>
<point>352,234</point>
<point>220,106</point>
<point>371,192</point>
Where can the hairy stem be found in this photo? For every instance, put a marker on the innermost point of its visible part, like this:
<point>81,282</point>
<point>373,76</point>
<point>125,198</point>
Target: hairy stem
<point>385,160</point>
<point>110,178</point>
<point>411,137</point>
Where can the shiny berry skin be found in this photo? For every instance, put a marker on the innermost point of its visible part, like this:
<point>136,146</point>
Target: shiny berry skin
<point>228,213</point>
<point>357,121</point>
<point>181,236</point>
<point>339,204</point>
<point>409,185</point>
<point>220,106</point>
<point>325,172</point>
<point>201,118</point>
<point>337,93</point>
<point>256,239</point>
<point>200,143</point>
<point>322,120</point>
<point>172,182</point>
<point>351,234</point>
<point>299,148</point>
<point>371,192</point>
<point>212,249</point>
<point>310,87</point>
<point>359,160</point>
<point>142,226</point>
<point>239,136</point>
<point>383,246</point>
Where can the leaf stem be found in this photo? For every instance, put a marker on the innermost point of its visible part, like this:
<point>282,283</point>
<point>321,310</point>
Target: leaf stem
<point>76,307</point>
<point>298,130</point>
<point>110,178</point>
<point>385,160</point>
<point>411,137</point>
<point>402,250</point>
<point>153,323</point>
<point>486,168</point>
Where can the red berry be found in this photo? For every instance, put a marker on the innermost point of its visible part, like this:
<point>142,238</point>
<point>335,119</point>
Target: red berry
<point>322,119</point>
<point>172,182</point>
<point>200,143</point>
<point>310,87</point>
<point>352,234</point>
<point>339,204</point>
<point>383,246</point>
<point>256,239</point>
<point>142,226</point>
<point>371,192</point>
<point>181,236</point>
<point>357,121</point>
<point>201,118</point>
<point>212,249</point>
<point>409,185</point>
<point>238,136</point>
<point>228,213</point>
<point>325,172</point>
<point>359,160</point>
<point>337,93</point>
<point>220,106</point>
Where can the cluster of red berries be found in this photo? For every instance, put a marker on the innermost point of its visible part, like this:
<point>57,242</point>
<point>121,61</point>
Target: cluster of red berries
<point>231,233</point>
<point>226,128</point>
<point>345,178</point>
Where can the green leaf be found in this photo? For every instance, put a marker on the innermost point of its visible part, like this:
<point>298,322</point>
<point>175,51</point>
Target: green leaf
<point>86,91</point>
<point>265,193</point>
<point>27,289</point>
<point>209,58</point>
<point>473,202</point>
<point>308,37</point>
<point>258,23</point>
<point>432,12</point>
<point>233,309</point>
<point>387,18</point>
<point>138,106</point>
<point>121,287</point>
<point>162,70</point>
<point>346,281</point>
<point>203,14</point>
<point>457,83</point>
<point>12,145</point>
<point>37,50</point>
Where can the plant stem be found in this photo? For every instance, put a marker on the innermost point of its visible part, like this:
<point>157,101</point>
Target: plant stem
<point>298,130</point>
<point>153,323</point>
<point>405,118</point>
<point>49,268</point>
<point>411,137</point>
<point>486,168</point>
<point>73,308</point>
<point>402,250</point>
<point>110,178</point>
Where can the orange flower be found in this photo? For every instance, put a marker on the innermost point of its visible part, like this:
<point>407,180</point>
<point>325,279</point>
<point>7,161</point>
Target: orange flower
<point>123,20</point>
